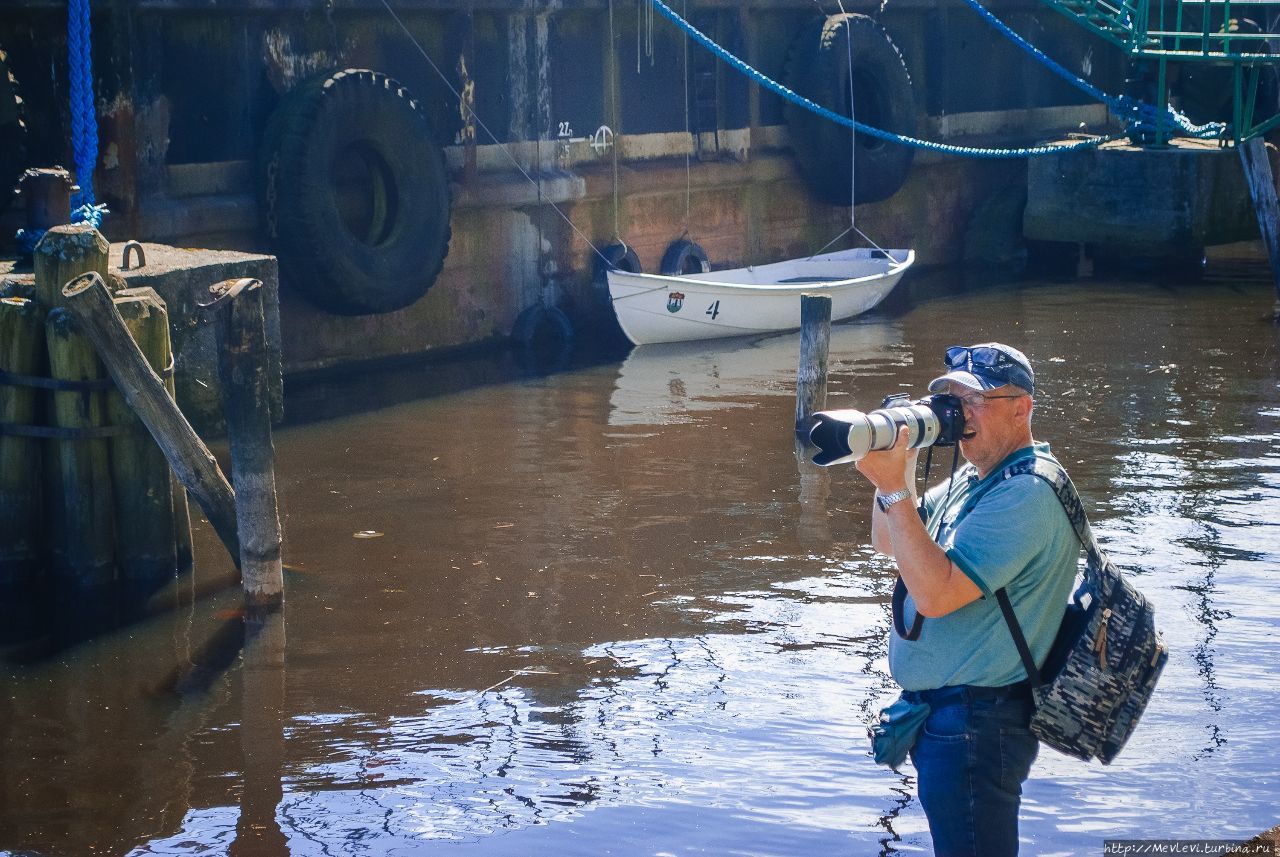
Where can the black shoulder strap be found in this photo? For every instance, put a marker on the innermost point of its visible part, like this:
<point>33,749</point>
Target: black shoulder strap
<point>1070,500</point>
<point>1065,491</point>
<point>899,605</point>
<point>1024,651</point>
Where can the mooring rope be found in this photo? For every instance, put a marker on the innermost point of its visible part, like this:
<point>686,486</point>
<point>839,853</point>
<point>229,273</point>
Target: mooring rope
<point>888,136</point>
<point>1138,114</point>
<point>84,124</point>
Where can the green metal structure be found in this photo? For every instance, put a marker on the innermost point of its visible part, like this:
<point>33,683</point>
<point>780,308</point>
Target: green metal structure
<point>1204,32</point>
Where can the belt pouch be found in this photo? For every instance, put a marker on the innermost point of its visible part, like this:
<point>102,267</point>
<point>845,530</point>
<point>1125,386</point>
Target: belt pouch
<point>893,733</point>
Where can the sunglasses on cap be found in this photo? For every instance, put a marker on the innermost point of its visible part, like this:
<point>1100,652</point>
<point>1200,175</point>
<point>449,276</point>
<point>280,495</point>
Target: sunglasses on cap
<point>992,362</point>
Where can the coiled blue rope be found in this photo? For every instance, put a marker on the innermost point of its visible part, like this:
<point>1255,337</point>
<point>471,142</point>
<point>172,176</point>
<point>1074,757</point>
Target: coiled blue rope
<point>84,125</point>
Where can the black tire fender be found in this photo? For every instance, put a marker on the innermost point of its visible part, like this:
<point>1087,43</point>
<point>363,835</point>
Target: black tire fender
<point>684,257</point>
<point>618,256</point>
<point>543,327</point>
<point>355,193</point>
<point>819,68</point>
<point>13,134</point>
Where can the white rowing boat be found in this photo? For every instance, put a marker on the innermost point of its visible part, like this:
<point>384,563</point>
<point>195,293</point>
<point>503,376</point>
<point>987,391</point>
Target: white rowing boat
<point>653,308</point>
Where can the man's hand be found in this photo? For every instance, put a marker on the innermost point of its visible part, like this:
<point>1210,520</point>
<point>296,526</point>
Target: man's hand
<point>892,469</point>
<point>936,584</point>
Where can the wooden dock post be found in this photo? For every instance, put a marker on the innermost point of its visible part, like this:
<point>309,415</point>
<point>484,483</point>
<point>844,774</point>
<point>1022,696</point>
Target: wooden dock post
<point>82,531</point>
<point>22,353</point>
<point>236,309</point>
<point>181,509</point>
<point>87,297</point>
<point>148,532</point>
<point>811,376</point>
<point>65,252</point>
<point>1257,172</point>
<point>48,195</point>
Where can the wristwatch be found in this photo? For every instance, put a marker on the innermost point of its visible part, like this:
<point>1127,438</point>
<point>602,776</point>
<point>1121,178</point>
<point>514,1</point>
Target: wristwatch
<point>884,501</point>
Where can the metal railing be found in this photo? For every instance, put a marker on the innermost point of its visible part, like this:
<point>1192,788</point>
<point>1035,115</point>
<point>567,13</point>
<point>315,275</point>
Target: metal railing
<point>1218,32</point>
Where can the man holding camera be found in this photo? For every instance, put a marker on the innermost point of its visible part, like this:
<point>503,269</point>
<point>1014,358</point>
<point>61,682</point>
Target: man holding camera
<point>980,532</point>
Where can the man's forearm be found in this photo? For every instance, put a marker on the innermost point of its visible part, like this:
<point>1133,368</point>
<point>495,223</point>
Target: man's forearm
<point>936,585</point>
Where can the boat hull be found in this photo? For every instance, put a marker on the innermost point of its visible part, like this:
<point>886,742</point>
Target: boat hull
<point>748,301</point>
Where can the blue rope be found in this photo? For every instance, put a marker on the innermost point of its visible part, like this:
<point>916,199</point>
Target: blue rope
<point>1136,114</point>
<point>84,126</point>
<point>888,136</point>
<point>90,214</point>
<point>84,121</point>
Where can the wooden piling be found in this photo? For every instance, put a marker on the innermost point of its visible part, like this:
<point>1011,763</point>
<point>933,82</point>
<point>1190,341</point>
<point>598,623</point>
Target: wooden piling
<point>48,196</point>
<point>87,297</point>
<point>236,309</point>
<point>811,376</point>
<point>63,253</point>
<point>1262,188</point>
<point>181,508</point>
<point>145,525</point>
<point>81,529</point>
<point>22,353</point>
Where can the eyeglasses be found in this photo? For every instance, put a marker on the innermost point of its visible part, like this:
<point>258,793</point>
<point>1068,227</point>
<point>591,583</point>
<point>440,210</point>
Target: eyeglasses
<point>974,401</point>
<point>997,363</point>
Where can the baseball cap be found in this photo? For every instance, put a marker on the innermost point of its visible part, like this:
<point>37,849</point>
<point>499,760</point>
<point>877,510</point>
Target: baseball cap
<point>985,367</point>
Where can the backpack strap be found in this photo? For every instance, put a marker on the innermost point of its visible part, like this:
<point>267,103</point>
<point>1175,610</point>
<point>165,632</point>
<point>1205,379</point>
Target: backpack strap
<point>1067,495</point>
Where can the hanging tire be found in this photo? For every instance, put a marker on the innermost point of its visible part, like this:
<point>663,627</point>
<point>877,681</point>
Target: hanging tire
<point>544,328</point>
<point>13,135</point>
<point>684,257</point>
<point>819,68</point>
<point>355,193</point>
<point>617,256</point>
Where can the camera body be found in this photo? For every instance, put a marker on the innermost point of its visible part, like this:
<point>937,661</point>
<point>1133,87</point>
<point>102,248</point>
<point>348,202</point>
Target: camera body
<point>848,435</point>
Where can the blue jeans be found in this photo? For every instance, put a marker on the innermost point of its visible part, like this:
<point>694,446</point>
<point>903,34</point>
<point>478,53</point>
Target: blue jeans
<point>971,759</point>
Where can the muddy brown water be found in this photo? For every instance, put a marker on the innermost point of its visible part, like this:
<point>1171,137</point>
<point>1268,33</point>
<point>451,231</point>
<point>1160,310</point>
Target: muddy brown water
<point>607,611</point>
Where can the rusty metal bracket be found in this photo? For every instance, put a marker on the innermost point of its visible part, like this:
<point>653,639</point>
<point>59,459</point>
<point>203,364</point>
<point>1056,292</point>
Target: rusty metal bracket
<point>142,256</point>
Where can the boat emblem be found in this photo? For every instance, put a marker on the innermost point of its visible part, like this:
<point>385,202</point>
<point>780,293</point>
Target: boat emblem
<point>675,300</point>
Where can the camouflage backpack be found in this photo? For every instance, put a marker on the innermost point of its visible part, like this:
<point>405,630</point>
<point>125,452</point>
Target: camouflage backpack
<point>1108,655</point>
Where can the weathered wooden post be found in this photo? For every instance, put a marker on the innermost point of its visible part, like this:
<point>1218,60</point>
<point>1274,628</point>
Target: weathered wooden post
<point>1257,172</point>
<point>811,376</point>
<point>87,297</point>
<point>178,494</point>
<point>82,543</point>
<point>48,195</point>
<point>147,533</point>
<point>65,252</point>
<point>236,309</point>
<point>22,357</point>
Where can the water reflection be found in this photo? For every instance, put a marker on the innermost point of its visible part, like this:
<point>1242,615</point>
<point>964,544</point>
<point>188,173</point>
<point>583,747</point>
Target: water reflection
<point>613,610</point>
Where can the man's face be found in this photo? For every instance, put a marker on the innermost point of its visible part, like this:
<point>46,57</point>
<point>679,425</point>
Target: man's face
<point>995,423</point>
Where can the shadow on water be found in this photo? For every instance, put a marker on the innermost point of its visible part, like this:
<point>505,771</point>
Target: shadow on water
<point>327,394</point>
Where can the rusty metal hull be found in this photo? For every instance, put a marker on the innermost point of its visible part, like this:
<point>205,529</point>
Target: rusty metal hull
<point>564,127</point>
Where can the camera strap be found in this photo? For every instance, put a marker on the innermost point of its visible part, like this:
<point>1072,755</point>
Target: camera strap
<point>899,599</point>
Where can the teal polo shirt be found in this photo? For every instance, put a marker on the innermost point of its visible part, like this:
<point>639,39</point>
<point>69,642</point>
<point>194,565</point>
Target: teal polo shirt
<point>1017,536</point>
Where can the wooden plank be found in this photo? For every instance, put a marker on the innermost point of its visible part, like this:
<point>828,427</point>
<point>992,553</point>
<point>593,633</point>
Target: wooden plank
<point>1262,188</point>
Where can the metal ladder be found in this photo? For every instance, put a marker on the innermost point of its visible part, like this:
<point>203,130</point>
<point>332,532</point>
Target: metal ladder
<point>1190,31</point>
